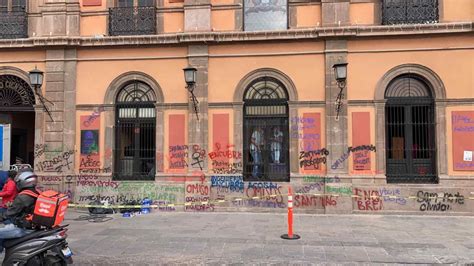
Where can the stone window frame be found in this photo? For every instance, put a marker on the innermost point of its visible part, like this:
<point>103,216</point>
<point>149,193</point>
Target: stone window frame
<point>109,113</point>
<point>238,106</point>
<point>438,91</point>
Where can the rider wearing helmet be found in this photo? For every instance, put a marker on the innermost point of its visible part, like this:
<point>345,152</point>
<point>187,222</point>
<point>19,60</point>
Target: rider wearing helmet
<point>21,208</point>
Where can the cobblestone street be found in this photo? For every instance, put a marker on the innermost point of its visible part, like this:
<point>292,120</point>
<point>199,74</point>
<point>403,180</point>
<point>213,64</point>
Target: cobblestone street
<point>254,238</point>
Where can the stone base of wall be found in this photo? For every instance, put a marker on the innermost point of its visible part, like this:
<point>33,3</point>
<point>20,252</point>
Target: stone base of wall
<point>311,194</point>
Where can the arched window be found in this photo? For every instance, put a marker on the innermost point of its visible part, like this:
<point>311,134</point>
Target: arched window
<point>135,133</point>
<point>410,131</point>
<point>266,155</point>
<point>15,94</point>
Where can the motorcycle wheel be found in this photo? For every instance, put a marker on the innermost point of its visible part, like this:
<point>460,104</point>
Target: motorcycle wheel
<point>50,260</point>
<point>35,261</point>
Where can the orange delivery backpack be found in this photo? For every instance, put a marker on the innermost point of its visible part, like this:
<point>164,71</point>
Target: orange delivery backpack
<point>50,207</point>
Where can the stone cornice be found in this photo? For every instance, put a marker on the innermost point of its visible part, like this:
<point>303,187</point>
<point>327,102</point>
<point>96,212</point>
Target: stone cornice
<point>219,37</point>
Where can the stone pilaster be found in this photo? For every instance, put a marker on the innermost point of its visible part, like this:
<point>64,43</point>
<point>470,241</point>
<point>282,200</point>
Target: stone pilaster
<point>336,131</point>
<point>59,133</point>
<point>335,13</point>
<point>60,18</point>
<point>198,57</point>
<point>197,15</point>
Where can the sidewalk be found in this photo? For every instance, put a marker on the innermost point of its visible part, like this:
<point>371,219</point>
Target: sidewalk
<point>254,238</point>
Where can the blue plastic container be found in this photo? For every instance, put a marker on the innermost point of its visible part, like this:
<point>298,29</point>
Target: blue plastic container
<point>146,203</point>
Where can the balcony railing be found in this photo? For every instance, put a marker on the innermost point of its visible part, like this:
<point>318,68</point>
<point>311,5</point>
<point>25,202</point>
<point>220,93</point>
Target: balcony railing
<point>13,25</point>
<point>132,21</point>
<point>409,12</point>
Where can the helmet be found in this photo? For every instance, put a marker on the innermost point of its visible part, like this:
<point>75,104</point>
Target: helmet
<point>26,179</point>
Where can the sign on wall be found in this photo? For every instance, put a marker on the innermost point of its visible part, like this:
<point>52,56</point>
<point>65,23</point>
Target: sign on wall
<point>178,150</point>
<point>90,128</point>
<point>5,130</point>
<point>91,2</point>
<point>361,137</point>
<point>463,140</point>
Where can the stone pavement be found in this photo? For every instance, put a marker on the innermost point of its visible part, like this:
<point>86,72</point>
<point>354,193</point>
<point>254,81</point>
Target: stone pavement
<point>254,238</point>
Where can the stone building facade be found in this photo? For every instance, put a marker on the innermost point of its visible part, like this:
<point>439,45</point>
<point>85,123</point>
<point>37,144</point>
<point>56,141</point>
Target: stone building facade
<point>114,121</point>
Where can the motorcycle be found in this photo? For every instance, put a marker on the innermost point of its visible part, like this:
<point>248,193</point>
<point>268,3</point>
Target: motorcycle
<point>43,247</point>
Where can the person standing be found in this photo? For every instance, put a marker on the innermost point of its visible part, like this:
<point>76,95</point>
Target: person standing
<point>8,192</point>
<point>256,143</point>
<point>276,144</point>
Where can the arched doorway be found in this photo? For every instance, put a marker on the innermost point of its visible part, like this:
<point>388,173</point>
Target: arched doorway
<point>410,131</point>
<point>135,127</point>
<point>17,113</point>
<point>266,142</point>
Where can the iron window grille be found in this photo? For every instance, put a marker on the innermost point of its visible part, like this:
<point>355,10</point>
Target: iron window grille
<point>410,131</point>
<point>138,20</point>
<point>13,19</point>
<point>15,94</point>
<point>135,133</point>
<point>409,11</point>
<point>266,127</point>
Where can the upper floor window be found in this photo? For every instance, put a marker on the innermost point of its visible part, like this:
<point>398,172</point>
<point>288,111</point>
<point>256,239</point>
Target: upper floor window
<point>132,3</point>
<point>266,152</point>
<point>13,19</point>
<point>265,15</point>
<point>132,17</point>
<point>12,5</point>
<point>409,11</point>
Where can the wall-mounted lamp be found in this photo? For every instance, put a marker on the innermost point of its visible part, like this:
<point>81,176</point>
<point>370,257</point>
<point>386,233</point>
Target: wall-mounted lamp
<point>36,78</point>
<point>340,73</point>
<point>36,81</point>
<point>190,79</point>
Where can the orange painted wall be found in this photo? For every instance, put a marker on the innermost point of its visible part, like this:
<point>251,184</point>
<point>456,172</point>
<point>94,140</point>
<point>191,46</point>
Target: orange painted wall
<point>308,16</point>
<point>222,2</point>
<point>93,8</point>
<point>25,60</point>
<point>367,64</point>
<point>95,71</point>
<point>308,112</point>
<point>173,3</point>
<point>214,127</point>
<point>173,22</point>
<point>362,13</point>
<point>226,69</point>
<point>373,156</point>
<point>457,10</point>
<point>93,25</point>
<point>449,138</point>
<point>222,20</point>
<point>167,138</point>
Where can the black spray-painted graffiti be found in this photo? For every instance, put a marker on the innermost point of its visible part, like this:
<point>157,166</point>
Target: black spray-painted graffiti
<point>313,158</point>
<point>198,156</point>
<point>432,201</point>
<point>344,157</point>
<point>59,163</point>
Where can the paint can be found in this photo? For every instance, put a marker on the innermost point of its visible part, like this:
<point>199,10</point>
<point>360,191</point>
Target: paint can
<point>146,203</point>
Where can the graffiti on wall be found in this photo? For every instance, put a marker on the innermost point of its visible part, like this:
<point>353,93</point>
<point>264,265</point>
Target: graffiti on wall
<point>368,199</point>
<point>442,201</point>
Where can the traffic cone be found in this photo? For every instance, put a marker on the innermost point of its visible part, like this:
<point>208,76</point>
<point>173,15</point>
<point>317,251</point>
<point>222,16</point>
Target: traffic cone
<point>290,235</point>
